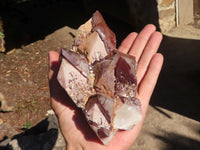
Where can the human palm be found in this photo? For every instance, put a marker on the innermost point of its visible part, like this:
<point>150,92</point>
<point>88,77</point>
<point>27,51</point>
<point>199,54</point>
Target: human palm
<point>73,125</point>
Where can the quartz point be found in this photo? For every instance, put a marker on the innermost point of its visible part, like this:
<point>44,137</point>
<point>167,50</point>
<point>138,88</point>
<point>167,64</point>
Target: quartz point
<point>101,80</point>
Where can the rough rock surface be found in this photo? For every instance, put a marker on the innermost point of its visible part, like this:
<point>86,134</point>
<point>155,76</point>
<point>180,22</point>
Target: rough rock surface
<point>101,80</point>
<point>3,104</point>
<point>44,136</point>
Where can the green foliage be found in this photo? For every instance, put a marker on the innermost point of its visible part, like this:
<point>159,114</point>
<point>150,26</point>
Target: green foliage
<point>27,106</point>
<point>28,125</point>
<point>1,34</point>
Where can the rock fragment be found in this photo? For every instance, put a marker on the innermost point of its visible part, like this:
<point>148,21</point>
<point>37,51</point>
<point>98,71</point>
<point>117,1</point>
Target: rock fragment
<point>101,80</point>
<point>74,77</point>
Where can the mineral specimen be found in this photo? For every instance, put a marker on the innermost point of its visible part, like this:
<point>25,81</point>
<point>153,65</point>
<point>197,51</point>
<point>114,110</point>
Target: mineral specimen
<point>101,80</point>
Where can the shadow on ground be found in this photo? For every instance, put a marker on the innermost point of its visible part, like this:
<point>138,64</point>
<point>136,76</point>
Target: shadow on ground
<point>27,22</point>
<point>43,136</point>
<point>178,142</point>
<point>179,83</point>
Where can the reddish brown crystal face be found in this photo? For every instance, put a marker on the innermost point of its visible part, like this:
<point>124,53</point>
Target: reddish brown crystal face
<point>101,80</point>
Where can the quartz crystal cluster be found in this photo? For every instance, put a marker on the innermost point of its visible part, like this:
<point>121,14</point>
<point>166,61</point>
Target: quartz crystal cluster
<point>101,80</point>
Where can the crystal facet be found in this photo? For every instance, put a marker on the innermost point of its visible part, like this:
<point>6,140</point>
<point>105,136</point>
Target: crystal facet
<point>101,80</point>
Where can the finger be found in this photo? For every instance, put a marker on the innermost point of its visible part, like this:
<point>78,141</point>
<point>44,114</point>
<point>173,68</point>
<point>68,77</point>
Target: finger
<point>141,41</point>
<point>56,91</point>
<point>126,138</point>
<point>53,59</point>
<point>71,119</point>
<point>149,50</point>
<point>53,56</point>
<point>148,83</point>
<point>127,42</point>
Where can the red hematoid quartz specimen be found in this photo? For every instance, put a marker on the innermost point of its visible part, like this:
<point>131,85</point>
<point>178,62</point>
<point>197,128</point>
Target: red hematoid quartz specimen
<point>101,80</point>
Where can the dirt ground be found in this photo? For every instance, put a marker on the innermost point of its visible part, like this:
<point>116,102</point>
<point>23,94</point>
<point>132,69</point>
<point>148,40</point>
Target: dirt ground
<point>24,80</point>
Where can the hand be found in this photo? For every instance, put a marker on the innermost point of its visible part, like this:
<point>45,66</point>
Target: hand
<point>73,125</point>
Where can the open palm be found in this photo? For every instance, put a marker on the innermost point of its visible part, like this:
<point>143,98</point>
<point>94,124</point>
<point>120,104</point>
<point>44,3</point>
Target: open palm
<point>73,125</point>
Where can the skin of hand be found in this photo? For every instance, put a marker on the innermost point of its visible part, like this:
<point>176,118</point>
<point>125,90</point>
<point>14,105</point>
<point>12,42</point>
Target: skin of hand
<point>75,129</point>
